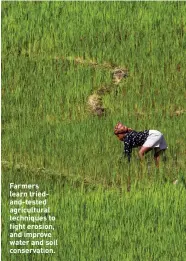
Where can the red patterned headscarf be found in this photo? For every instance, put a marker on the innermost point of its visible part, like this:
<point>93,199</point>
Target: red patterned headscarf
<point>120,128</point>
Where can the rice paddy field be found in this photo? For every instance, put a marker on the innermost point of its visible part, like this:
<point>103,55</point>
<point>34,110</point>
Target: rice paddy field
<point>54,56</point>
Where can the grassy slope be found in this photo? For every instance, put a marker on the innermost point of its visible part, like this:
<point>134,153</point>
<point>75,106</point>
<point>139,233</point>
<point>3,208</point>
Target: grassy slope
<point>101,224</point>
<point>45,123</point>
<point>44,106</point>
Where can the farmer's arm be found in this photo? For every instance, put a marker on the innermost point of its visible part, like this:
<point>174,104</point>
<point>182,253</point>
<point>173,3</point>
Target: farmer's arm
<point>127,149</point>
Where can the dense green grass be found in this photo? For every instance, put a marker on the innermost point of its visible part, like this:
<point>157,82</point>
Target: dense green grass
<point>101,224</point>
<point>49,134</point>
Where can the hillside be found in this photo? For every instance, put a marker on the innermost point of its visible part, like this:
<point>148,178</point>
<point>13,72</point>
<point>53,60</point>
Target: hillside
<point>55,55</point>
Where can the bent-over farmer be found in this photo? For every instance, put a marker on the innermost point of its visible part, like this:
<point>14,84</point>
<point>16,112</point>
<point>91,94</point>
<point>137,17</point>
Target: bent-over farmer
<point>146,140</point>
